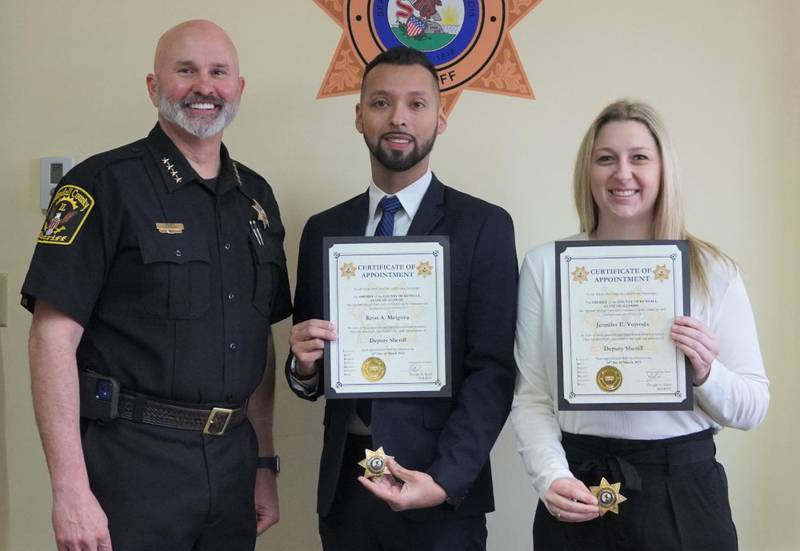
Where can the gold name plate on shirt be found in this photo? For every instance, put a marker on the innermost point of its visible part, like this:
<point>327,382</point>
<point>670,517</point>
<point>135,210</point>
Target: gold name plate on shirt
<point>169,227</point>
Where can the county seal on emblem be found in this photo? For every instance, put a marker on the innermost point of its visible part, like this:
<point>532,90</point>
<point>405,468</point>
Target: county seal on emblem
<point>466,40</point>
<point>67,213</point>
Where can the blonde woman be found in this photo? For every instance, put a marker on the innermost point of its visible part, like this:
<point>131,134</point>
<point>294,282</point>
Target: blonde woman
<point>677,496</point>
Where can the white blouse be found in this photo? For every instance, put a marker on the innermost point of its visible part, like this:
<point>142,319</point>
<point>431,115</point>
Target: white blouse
<point>736,393</point>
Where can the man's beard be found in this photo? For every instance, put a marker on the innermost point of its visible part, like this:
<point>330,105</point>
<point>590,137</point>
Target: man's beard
<point>397,161</point>
<point>176,113</point>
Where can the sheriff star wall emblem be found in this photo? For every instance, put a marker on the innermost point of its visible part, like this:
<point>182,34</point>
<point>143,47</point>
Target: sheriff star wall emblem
<point>468,42</point>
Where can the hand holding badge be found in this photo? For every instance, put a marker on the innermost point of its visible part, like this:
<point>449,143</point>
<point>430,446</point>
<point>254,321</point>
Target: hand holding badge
<point>399,487</point>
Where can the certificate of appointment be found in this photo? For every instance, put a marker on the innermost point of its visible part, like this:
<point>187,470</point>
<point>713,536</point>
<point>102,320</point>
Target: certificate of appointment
<point>616,303</point>
<point>389,300</point>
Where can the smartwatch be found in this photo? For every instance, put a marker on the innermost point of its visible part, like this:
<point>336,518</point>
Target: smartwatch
<point>271,463</point>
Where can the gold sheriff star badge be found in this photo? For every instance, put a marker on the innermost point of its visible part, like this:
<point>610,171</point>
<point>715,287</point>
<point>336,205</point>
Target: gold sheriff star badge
<point>468,42</point>
<point>608,496</point>
<point>261,214</point>
<point>374,463</point>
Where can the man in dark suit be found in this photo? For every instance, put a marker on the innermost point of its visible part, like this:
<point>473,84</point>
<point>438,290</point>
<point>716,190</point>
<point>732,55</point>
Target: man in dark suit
<point>440,487</point>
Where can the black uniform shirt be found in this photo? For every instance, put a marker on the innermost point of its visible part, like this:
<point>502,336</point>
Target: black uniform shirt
<point>176,280</point>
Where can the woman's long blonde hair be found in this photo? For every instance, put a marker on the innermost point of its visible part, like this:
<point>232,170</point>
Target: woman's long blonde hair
<point>668,222</point>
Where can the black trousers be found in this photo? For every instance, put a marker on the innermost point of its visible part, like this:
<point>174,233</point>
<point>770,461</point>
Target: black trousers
<point>173,490</point>
<point>360,521</point>
<point>677,497</point>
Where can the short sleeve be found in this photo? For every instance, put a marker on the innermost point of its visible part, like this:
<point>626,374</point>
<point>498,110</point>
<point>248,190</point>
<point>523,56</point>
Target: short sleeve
<point>73,245</point>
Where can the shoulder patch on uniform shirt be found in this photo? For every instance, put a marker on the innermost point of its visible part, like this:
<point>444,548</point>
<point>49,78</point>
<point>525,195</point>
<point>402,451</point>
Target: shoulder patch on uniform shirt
<point>68,211</point>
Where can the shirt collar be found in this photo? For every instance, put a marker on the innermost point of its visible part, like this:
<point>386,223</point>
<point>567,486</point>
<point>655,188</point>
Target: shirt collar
<point>410,196</point>
<point>177,172</point>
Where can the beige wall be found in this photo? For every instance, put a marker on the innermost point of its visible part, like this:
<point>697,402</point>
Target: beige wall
<point>724,73</point>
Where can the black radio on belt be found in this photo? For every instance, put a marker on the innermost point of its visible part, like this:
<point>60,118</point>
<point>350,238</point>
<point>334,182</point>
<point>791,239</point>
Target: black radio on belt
<point>99,396</point>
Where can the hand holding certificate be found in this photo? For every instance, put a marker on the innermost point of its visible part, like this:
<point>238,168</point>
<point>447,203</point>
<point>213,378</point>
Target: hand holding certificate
<point>388,297</point>
<point>617,302</point>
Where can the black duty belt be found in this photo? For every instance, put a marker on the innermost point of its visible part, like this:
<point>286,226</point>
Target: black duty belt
<point>212,421</point>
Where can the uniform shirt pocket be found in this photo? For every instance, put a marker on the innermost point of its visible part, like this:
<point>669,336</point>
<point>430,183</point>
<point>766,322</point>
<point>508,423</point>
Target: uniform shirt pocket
<point>268,259</point>
<point>177,275</point>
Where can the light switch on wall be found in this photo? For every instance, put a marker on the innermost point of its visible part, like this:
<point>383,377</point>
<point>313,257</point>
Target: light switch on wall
<point>51,169</point>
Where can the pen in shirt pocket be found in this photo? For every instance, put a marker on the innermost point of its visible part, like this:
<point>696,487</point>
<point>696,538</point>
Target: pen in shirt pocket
<point>256,232</point>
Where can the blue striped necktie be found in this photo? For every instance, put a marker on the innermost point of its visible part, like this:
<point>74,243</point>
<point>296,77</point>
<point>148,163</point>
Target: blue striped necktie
<point>389,205</point>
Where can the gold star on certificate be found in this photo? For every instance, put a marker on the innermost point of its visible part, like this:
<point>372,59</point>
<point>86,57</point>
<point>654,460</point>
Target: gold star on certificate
<point>424,268</point>
<point>580,274</point>
<point>262,215</point>
<point>348,270</point>
<point>374,463</point>
<point>661,273</point>
<point>608,496</point>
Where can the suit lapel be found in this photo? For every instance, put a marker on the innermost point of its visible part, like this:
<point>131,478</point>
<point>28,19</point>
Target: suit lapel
<point>431,209</point>
<point>356,221</point>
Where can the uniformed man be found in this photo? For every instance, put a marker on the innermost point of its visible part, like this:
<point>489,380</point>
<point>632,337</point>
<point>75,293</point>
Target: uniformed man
<point>157,274</point>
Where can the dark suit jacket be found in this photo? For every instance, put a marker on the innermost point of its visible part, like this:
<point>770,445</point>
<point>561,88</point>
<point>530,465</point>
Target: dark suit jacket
<point>450,439</point>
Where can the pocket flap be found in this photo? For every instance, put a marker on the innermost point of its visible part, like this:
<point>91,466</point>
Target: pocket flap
<point>270,251</point>
<point>176,248</point>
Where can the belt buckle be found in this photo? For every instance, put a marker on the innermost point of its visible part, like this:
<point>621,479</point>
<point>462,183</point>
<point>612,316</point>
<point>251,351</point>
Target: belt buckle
<point>217,421</point>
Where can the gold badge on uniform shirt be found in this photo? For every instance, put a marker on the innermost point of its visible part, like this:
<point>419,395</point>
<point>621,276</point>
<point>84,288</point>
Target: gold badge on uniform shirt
<point>374,463</point>
<point>169,227</point>
<point>262,215</point>
<point>609,378</point>
<point>608,496</point>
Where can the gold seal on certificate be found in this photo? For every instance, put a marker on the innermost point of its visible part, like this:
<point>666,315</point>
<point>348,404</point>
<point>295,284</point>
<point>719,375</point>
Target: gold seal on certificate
<point>609,378</point>
<point>374,463</point>
<point>389,300</point>
<point>373,369</point>
<point>616,302</point>
<point>608,496</point>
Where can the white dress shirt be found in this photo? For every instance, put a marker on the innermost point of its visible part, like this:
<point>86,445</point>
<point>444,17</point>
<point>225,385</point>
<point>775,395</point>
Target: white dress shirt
<point>736,393</point>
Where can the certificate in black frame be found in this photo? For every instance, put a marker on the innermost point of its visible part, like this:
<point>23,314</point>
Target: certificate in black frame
<point>687,402</point>
<point>445,390</point>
